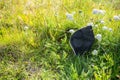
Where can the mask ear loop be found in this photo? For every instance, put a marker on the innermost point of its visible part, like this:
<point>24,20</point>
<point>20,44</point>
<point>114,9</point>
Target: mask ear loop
<point>72,47</point>
<point>71,44</point>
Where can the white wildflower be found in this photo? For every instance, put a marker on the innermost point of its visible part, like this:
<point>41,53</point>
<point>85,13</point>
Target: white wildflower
<point>98,37</point>
<point>70,16</point>
<point>97,11</point>
<point>110,29</point>
<point>102,22</point>
<point>94,52</point>
<point>71,31</point>
<point>26,28</point>
<point>102,12</point>
<point>90,24</point>
<point>92,65</point>
<point>116,18</point>
<point>105,28</point>
<point>96,25</point>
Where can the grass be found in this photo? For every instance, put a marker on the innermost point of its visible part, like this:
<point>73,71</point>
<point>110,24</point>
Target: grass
<point>42,52</point>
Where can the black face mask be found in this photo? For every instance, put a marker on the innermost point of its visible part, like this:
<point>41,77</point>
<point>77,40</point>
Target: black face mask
<point>82,40</point>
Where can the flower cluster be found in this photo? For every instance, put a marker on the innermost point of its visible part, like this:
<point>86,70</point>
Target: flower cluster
<point>116,17</point>
<point>106,28</point>
<point>70,16</point>
<point>97,11</point>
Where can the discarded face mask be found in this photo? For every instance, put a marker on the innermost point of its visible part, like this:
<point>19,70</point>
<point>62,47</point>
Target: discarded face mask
<point>82,40</point>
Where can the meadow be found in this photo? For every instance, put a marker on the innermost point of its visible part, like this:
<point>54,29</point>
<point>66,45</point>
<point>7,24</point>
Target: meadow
<point>34,39</point>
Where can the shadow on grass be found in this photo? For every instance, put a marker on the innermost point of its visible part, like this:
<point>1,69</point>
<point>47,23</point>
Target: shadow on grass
<point>10,52</point>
